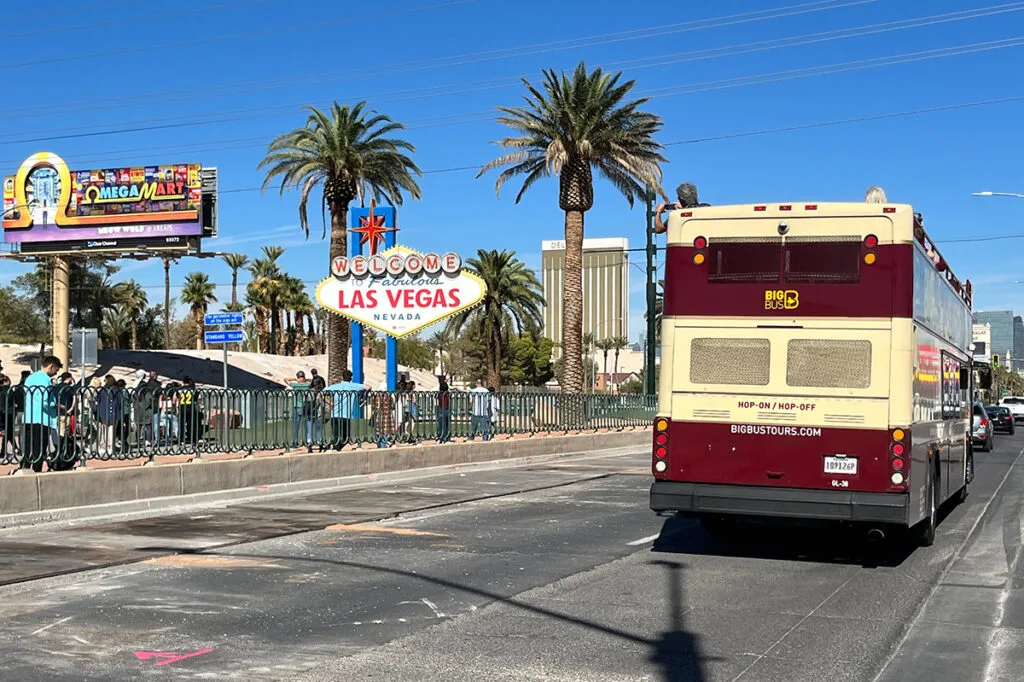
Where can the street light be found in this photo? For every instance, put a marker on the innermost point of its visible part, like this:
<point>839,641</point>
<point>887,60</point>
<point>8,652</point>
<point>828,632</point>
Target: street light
<point>997,194</point>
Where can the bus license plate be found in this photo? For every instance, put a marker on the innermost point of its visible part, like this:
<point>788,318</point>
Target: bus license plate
<point>840,465</point>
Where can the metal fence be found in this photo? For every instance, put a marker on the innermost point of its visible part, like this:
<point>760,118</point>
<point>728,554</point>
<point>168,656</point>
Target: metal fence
<point>65,425</point>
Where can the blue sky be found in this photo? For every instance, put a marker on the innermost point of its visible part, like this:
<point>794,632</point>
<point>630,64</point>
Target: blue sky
<point>116,83</point>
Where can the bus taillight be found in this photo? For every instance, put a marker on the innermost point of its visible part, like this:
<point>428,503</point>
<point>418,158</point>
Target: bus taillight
<point>898,463</point>
<point>871,241</point>
<point>699,257</point>
<point>660,445</point>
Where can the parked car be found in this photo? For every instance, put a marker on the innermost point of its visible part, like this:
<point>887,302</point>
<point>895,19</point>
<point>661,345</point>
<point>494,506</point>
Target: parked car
<point>1015,403</point>
<point>1001,417</point>
<point>981,430</point>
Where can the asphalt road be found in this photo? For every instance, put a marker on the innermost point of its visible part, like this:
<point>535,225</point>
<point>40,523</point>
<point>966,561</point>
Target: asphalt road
<point>564,574</point>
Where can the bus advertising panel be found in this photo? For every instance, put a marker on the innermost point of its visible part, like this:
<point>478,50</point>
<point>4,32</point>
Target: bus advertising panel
<point>46,202</point>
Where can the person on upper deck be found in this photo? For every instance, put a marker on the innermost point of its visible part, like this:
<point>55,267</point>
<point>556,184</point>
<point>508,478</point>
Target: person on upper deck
<point>687,195</point>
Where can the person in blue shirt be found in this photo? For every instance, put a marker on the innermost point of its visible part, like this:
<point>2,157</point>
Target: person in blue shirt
<point>40,414</point>
<point>347,402</point>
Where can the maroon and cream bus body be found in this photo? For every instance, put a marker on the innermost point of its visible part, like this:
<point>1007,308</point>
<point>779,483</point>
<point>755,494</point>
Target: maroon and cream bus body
<point>815,364</point>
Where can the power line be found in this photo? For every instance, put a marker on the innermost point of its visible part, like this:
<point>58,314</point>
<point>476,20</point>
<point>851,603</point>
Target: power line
<point>432,92</point>
<point>277,31</point>
<point>660,30</point>
<point>752,133</point>
<point>36,33</point>
<point>694,88</point>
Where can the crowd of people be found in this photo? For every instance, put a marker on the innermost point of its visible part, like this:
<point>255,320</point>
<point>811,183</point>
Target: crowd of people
<point>50,418</point>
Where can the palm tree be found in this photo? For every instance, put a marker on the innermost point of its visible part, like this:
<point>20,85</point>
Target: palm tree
<point>268,282</point>
<point>619,343</point>
<point>115,325</point>
<point>257,302</point>
<point>235,261</point>
<point>441,342</point>
<point>350,152</point>
<point>578,124</point>
<point>512,303</point>
<point>132,298</point>
<point>605,346</point>
<point>198,292</point>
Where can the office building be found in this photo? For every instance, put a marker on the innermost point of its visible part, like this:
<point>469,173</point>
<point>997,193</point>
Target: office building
<point>605,287</point>
<point>1002,335</point>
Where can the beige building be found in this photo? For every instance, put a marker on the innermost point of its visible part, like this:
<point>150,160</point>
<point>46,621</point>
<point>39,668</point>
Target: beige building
<point>605,287</point>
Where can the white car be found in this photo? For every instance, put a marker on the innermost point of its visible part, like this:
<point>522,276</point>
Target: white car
<point>1015,404</point>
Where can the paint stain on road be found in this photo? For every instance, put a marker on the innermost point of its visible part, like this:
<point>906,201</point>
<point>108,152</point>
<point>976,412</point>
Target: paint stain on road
<point>367,528</point>
<point>168,657</point>
<point>210,561</point>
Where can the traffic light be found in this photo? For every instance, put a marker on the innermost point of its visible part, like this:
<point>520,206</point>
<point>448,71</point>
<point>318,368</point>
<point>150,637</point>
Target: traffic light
<point>995,361</point>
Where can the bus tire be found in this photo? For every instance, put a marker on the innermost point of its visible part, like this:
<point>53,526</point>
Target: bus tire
<point>927,533</point>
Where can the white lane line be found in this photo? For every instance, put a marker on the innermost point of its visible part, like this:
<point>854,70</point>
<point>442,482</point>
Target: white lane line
<point>644,541</point>
<point>433,607</point>
<point>51,625</point>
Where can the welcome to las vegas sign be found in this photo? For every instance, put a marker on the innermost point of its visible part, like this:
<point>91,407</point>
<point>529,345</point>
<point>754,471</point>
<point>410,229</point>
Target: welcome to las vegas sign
<point>400,291</point>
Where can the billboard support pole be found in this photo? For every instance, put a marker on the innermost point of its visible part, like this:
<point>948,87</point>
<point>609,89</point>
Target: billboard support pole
<point>83,357</point>
<point>60,308</point>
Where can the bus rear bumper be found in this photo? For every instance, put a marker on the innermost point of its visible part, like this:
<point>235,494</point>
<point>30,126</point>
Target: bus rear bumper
<point>792,503</point>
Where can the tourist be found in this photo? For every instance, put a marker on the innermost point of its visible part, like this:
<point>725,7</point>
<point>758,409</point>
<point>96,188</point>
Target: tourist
<point>40,414</point>
<point>346,397</point>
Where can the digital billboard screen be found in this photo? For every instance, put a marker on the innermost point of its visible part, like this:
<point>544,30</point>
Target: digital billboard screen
<point>48,202</point>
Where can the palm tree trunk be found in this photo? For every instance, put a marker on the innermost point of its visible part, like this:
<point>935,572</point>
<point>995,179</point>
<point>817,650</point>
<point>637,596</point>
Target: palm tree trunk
<point>572,310</point>
<point>616,360</point>
<point>605,369</point>
<point>198,321</point>
<point>273,324</point>
<point>338,330</point>
<point>494,363</point>
<point>135,334</point>
<point>234,288</point>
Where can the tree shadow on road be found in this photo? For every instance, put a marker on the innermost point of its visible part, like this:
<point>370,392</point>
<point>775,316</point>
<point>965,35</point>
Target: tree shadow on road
<point>676,651</point>
<point>825,544</point>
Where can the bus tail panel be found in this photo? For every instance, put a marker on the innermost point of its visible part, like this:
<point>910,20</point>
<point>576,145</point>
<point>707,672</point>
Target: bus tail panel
<point>781,455</point>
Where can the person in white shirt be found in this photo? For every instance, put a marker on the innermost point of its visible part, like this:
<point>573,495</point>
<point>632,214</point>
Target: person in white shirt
<point>479,410</point>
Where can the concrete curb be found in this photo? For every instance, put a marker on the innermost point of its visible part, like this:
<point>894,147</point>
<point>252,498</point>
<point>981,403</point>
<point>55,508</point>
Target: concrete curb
<point>85,492</point>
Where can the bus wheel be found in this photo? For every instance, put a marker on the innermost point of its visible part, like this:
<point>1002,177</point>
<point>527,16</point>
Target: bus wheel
<point>927,533</point>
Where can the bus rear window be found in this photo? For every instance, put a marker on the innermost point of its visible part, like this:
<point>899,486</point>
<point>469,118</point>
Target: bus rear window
<point>828,363</point>
<point>739,362</point>
<point>837,261</point>
<point>744,261</point>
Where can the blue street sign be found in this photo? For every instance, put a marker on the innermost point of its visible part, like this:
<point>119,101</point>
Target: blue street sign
<point>222,318</point>
<point>230,336</point>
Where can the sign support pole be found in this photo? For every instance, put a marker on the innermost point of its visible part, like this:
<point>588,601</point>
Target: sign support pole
<point>390,239</point>
<point>355,248</point>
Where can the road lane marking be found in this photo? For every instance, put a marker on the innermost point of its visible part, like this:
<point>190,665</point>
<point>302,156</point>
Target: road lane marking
<point>367,528</point>
<point>644,541</point>
<point>47,627</point>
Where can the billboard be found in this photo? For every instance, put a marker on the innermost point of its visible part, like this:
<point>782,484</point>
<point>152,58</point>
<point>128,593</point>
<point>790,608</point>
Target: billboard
<point>399,291</point>
<point>46,202</point>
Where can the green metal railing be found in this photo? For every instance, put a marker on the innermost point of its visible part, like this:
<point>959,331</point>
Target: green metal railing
<point>65,425</point>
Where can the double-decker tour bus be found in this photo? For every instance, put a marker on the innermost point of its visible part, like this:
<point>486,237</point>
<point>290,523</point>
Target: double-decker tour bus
<point>815,364</point>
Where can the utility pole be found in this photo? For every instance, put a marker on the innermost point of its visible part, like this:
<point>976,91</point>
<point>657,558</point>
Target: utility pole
<point>650,386</point>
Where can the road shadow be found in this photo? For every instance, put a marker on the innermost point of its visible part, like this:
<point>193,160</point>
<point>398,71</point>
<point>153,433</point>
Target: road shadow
<point>831,544</point>
<point>176,366</point>
<point>675,651</point>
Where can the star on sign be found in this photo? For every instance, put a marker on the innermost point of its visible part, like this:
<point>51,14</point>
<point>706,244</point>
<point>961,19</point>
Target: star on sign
<point>371,229</point>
